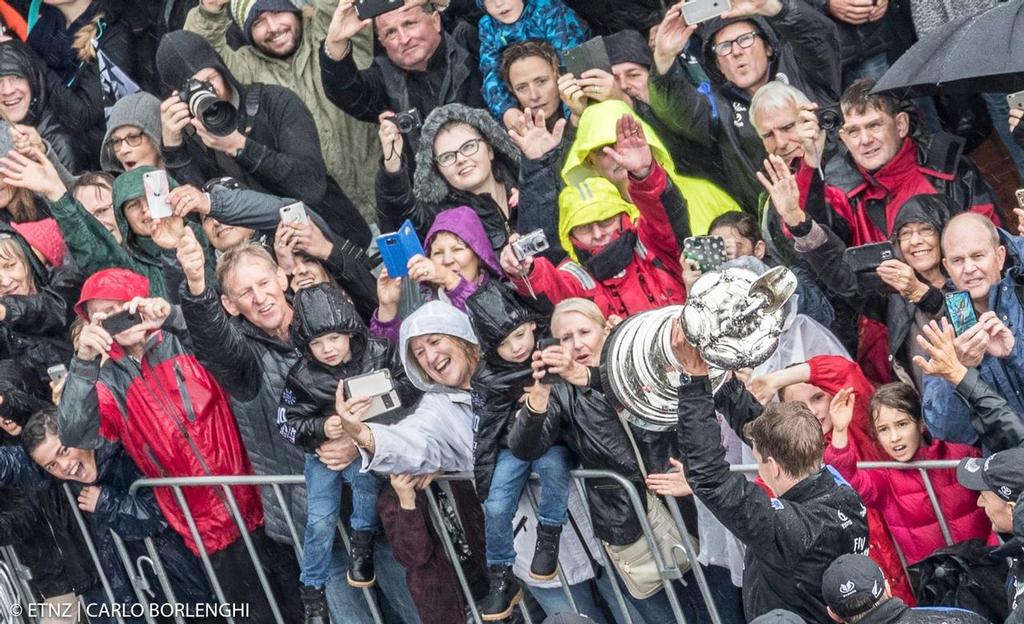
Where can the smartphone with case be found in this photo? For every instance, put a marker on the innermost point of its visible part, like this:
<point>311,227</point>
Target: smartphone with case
<point>57,372</point>
<point>378,385</point>
<point>960,310</point>
<point>697,11</point>
<point>591,54</point>
<point>708,251</point>
<point>120,322</point>
<point>369,9</point>
<point>294,213</point>
<point>1016,100</point>
<point>398,247</point>
<point>868,257</point>
<point>155,183</point>
<point>542,344</point>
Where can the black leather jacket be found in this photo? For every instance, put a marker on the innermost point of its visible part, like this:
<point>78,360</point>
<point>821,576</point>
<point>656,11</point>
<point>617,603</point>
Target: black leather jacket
<point>895,611</point>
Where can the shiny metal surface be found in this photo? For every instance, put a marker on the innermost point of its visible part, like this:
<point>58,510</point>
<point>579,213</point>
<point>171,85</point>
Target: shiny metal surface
<point>733,317</point>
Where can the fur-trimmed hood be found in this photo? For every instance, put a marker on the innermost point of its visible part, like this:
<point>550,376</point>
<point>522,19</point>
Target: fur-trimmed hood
<point>428,183</point>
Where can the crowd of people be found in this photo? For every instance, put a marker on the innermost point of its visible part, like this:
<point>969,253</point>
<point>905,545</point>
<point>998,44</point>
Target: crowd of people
<point>197,201</point>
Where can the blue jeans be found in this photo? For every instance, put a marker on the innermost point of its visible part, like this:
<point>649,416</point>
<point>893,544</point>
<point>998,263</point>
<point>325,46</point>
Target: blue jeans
<point>872,68</point>
<point>658,610</point>
<point>553,600</point>
<point>510,475</point>
<point>999,111</point>
<point>348,604</point>
<point>323,492</point>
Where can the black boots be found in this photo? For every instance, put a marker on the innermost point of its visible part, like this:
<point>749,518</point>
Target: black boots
<point>360,567</point>
<point>314,605</point>
<point>545,556</point>
<point>503,595</point>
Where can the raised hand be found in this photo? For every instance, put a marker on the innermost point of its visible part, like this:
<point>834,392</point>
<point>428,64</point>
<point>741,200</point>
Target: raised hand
<point>284,247</point>
<point>187,199</point>
<point>1000,338</point>
<point>345,24</point>
<point>631,150</point>
<point>902,279</point>
<point>571,94</point>
<point>174,116</point>
<point>670,483</point>
<point>742,8</point>
<point>600,85</point>
<point>193,262</point>
<point>93,340</point>
<point>532,136</point>
<point>840,410</point>
<point>778,180</point>
<point>35,173</point>
<point>153,310</point>
<point>391,142</point>
<point>671,38</point>
<point>686,354</point>
<point>812,137</point>
<point>940,345</point>
<point>167,232</point>
<point>511,264</point>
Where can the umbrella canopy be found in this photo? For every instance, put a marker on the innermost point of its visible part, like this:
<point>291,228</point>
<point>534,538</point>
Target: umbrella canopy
<point>983,53</point>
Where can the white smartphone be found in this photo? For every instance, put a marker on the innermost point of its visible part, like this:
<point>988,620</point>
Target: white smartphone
<point>1016,100</point>
<point>155,183</point>
<point>294,213</point>
<point>57,372</point>
<point>697,11</point>
<point>376,384</point>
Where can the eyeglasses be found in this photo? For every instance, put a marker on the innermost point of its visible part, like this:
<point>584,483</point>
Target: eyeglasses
<point>133,140</point>
<point>447,159</point>
<point>744,41</point>
<point>906,233</point>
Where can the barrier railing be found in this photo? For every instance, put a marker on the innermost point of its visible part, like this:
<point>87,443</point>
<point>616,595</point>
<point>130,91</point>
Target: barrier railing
<point>142,588</point>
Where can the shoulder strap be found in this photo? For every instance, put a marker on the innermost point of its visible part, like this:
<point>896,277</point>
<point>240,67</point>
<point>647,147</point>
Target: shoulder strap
<point>252,105</point>
<point>632,443</point>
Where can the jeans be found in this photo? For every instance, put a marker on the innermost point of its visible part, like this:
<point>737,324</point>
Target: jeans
<point>999,111</point>
<point>872,68</point>
<point>658,610</point>
<point>348,604</point>
<point>240,583</point>
<point>553,600</point>
<point>510,475</point>
<point>323,492</point>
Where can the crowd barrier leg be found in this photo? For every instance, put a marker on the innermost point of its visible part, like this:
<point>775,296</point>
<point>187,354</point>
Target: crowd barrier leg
<point>211,574</point>
<point>935,506</point>
<point>139,583</point>
<point>161,575</point>
<point>532,497</point>
<point>371,599</point>
<point>605,560</point>
<point>449,549</point>
<point>15,589</point>
<point>691,554</point>
<point>92,548</point>
<point>275,610</point>
<point>279,495</point>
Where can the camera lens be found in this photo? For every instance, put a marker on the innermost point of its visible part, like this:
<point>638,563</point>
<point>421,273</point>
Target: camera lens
<point>220,118</point>
<point>405,124</point>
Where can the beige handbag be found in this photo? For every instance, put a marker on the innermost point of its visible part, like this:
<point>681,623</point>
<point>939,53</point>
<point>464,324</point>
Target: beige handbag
<point>635,562</point>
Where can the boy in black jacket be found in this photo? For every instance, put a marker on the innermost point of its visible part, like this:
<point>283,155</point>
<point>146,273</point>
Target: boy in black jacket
<point>336,345</point>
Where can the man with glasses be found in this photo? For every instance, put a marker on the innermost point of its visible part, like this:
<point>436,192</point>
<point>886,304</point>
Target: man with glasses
<point>753,43</point>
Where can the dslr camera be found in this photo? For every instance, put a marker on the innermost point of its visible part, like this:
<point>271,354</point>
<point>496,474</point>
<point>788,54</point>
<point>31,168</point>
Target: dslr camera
<point>218,117</point>
<point>408,121</point>
<point>830,117</point>
<point>530,245</point>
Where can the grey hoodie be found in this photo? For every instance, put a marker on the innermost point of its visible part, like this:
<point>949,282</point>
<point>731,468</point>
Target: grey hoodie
<point>141,110</point>
<point>438,435</point>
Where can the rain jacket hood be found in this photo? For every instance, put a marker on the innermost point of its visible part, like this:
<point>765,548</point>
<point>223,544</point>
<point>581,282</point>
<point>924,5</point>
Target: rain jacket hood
<point>39,272</point>
<point>435,317</point>
<point>183,53</point>
<point>933,209</point>
<point>114,284</point>
<point>17,59</point>
<point>593,199</point>
<point>141,110</point>
<point>597,127</point>
<point>711,28</point>
<point>464,223</point>
<point>324,309</point>
<point>495,312</point>
<point>127,187</point>
<point>428,183</point>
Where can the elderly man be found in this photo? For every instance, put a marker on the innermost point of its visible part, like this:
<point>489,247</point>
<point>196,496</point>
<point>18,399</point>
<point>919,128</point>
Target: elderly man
<point>283,50</point>
<point>422,67</point>
<point>987,262</point>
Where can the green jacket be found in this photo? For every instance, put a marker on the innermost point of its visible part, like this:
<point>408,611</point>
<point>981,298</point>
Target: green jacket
<point>350,148</point>
<point>94,248</point>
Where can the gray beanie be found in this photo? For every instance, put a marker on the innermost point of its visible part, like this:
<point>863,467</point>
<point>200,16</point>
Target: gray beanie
<point>141,110</point>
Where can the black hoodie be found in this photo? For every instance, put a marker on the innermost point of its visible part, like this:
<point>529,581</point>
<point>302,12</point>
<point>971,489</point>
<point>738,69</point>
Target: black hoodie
<point>282,149</point>
<point>309,394</point>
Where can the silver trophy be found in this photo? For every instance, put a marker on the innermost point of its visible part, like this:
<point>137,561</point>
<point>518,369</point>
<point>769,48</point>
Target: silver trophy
<point>733,317</point>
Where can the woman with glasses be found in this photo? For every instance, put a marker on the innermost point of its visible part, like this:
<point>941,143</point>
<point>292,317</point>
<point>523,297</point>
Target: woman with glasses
<point>465,158</point>
<point>133,134</point>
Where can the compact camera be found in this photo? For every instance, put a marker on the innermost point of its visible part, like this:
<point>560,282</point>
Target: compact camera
<point>217,116</point>
<point>408,121</point>
<point>530,245</point>
<point>830,118</point>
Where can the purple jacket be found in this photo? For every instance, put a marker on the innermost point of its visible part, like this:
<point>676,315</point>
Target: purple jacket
<point>464,223</point>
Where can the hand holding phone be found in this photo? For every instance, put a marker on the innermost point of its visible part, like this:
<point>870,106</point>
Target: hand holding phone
<point>591,54</point>
<point>376,385</point>
<point>697,11</point>
<point>294,213</point>
<point>369,9</point>
<point>397,248</point>
<point>157,194</point>
<point>960,311</point>
<point>544,343</point>
<point>708,251</point>
<point>121,322</point>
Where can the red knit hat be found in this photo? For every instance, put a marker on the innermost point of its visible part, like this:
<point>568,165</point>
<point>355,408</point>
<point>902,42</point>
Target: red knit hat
<point>113,284</point>
<point>43,236</point>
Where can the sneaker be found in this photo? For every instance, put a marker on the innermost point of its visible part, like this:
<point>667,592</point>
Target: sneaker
<point>360,565</point>
<point>503,596</point>
<point>545,556</point>
<point>314,605</point>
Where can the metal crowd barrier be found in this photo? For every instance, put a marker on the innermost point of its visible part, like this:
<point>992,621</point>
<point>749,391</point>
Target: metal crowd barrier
<point>134,570</point>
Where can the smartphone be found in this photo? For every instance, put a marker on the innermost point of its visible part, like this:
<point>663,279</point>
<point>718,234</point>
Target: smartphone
<point>369,9</point>
<point>120,322</point>
<point>960,310</point>
<point>591,54</point>
<point>155,183</point>
<point>697,11</point>
<point>57,372</point>
<point>868,257</point>
<point>1015,100</point>
<point>376,384</point>
<point>294,213</point>
<point>708,251</point>
<point>398,247</point>
<point>1020,198</point>
<point>542,344</point>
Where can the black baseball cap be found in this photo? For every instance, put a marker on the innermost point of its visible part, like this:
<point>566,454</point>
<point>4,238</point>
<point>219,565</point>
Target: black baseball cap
<point>1002,473</point>
<point>849,577</point>
<point>778,616</point>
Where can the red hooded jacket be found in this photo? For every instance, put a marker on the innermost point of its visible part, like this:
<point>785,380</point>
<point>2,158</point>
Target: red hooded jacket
<point>167,411</point>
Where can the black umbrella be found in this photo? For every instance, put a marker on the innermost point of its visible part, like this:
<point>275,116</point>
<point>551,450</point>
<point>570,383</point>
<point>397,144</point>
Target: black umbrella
<point>983,53</point>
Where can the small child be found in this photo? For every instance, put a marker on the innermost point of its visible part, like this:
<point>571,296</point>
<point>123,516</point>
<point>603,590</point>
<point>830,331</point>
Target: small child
<point>507,334</point>
<point>336,345</point>
<point>511,21</point>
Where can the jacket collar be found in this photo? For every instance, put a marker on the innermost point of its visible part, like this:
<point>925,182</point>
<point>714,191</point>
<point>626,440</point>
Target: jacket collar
<point>811,487</point>
<point>889,612</point>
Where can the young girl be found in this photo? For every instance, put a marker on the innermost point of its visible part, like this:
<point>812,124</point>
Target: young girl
<point>335,346</point>
<point>900,495</point>
<point>508,338</point>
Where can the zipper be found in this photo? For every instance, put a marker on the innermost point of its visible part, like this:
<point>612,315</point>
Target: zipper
<point>186,399</point>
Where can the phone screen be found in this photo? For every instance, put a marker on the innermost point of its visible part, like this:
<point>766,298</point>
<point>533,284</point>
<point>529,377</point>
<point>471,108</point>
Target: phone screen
<point>960,310</point>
